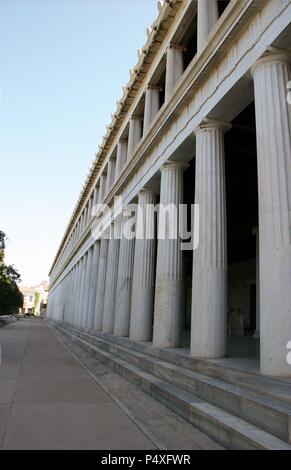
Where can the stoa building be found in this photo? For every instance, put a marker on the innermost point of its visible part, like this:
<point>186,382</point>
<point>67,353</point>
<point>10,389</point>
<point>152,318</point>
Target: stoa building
<point>204,122</point>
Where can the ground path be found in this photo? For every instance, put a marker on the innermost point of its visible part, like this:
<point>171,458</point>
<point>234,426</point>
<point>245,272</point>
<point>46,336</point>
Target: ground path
<point>49,400</point>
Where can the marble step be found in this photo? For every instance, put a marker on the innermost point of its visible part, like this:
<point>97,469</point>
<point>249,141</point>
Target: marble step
<point>229,430</point>
<point>271,415</point>
<point>272,387</point>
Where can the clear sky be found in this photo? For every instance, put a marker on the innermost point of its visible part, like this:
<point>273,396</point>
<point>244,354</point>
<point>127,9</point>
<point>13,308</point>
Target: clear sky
<point>62,67</point>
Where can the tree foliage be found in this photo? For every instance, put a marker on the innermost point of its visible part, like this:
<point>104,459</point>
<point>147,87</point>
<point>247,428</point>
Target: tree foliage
<point>11,298</point>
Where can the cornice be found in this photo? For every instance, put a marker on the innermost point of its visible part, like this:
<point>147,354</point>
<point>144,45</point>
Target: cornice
<point>156,33</point>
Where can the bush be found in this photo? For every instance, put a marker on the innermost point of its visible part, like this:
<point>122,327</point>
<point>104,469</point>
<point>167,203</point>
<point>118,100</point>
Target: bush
<point>11,299</point>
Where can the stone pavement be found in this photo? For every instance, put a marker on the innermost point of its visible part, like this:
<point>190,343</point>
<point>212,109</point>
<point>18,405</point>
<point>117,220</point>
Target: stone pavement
<point>48,400</point>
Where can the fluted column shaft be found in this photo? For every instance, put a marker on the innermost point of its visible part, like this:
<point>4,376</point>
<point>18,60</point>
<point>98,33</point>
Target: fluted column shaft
<point>77,231</point>
<point>110,174</point>
<point>124,281</point>
<point>121,157</point>
<point>111,282</point>
<point>207,16</point>
<point>273,117</point>
<point>80,291</point>
<point>174,68</point>
<point>87,288</point>
<point>84,219</point>
<point>209,296</point>
<point>72,294</point>
<point>135,134</point>
<point>95,201</point>
<point>151,107</point>
<point>167,310</point>
<point>143,289</point>
<point>75,295</point>
<point>102,188</point>
<point>90,204</point>
<point>99,306</point>
<point>93,284</point>
<point>80,226</point>
<point>83,289</point>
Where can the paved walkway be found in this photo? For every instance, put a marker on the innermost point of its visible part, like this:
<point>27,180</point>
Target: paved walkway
<point>48,401</point>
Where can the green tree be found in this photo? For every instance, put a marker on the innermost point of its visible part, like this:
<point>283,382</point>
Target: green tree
<point>11,298</point>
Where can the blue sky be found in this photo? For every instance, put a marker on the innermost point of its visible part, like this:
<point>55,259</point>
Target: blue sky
<point>62,67</point>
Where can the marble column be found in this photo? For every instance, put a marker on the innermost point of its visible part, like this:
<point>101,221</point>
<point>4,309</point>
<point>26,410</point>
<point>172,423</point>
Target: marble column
<point>207,16</point>
<point>72,294</point>
<point>84,220</point>
<point>95,201</point>
<point>110,174</point>
<point>273,125</point>
<point>151,107</point>
<point>209,288</point>
<point>83,290</point>
<point>111,280</point>
<point>90,204</point>
<point>100,294</point>
<point>77,230</point>
<point>79,298</point>
<point>121,157</point>
<point>78,291</point>
<point>80,226</point>
<point>124,281</point>
<point>87,288</point>
<point>102,188</point>
<point>75,295</point>
<point>86,216</point>
<point>135,134</point>
<point>143,289</point>
<point>167,311</point>
<point>93,284</point>
<point>64,297</point>
<point>174,68</point>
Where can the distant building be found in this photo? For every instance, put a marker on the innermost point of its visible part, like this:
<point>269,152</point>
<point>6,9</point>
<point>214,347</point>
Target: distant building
<point>35,298</point>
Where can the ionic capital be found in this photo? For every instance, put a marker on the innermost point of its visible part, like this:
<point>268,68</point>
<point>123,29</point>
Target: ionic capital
<point>207,124</point>
<point>178,47</point>
<point>271,55</point>
<point>172,164</point>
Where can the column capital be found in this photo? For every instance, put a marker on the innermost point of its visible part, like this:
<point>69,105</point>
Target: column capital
<point>207,124</point>
<point>174,164</point>
<point>148,191</point>
<point>153,87</point>
<point>272,54</point>
<point>134,117</point>
<point>122,140</point>
<point>179,47</point>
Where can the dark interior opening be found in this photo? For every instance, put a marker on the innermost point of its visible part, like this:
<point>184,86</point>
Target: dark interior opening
<point>242,220</point>
<point>189,41</point>
<point>222,4</point>
<point>241,186</point>
<point>188,198</point>
<point>161,83</point>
